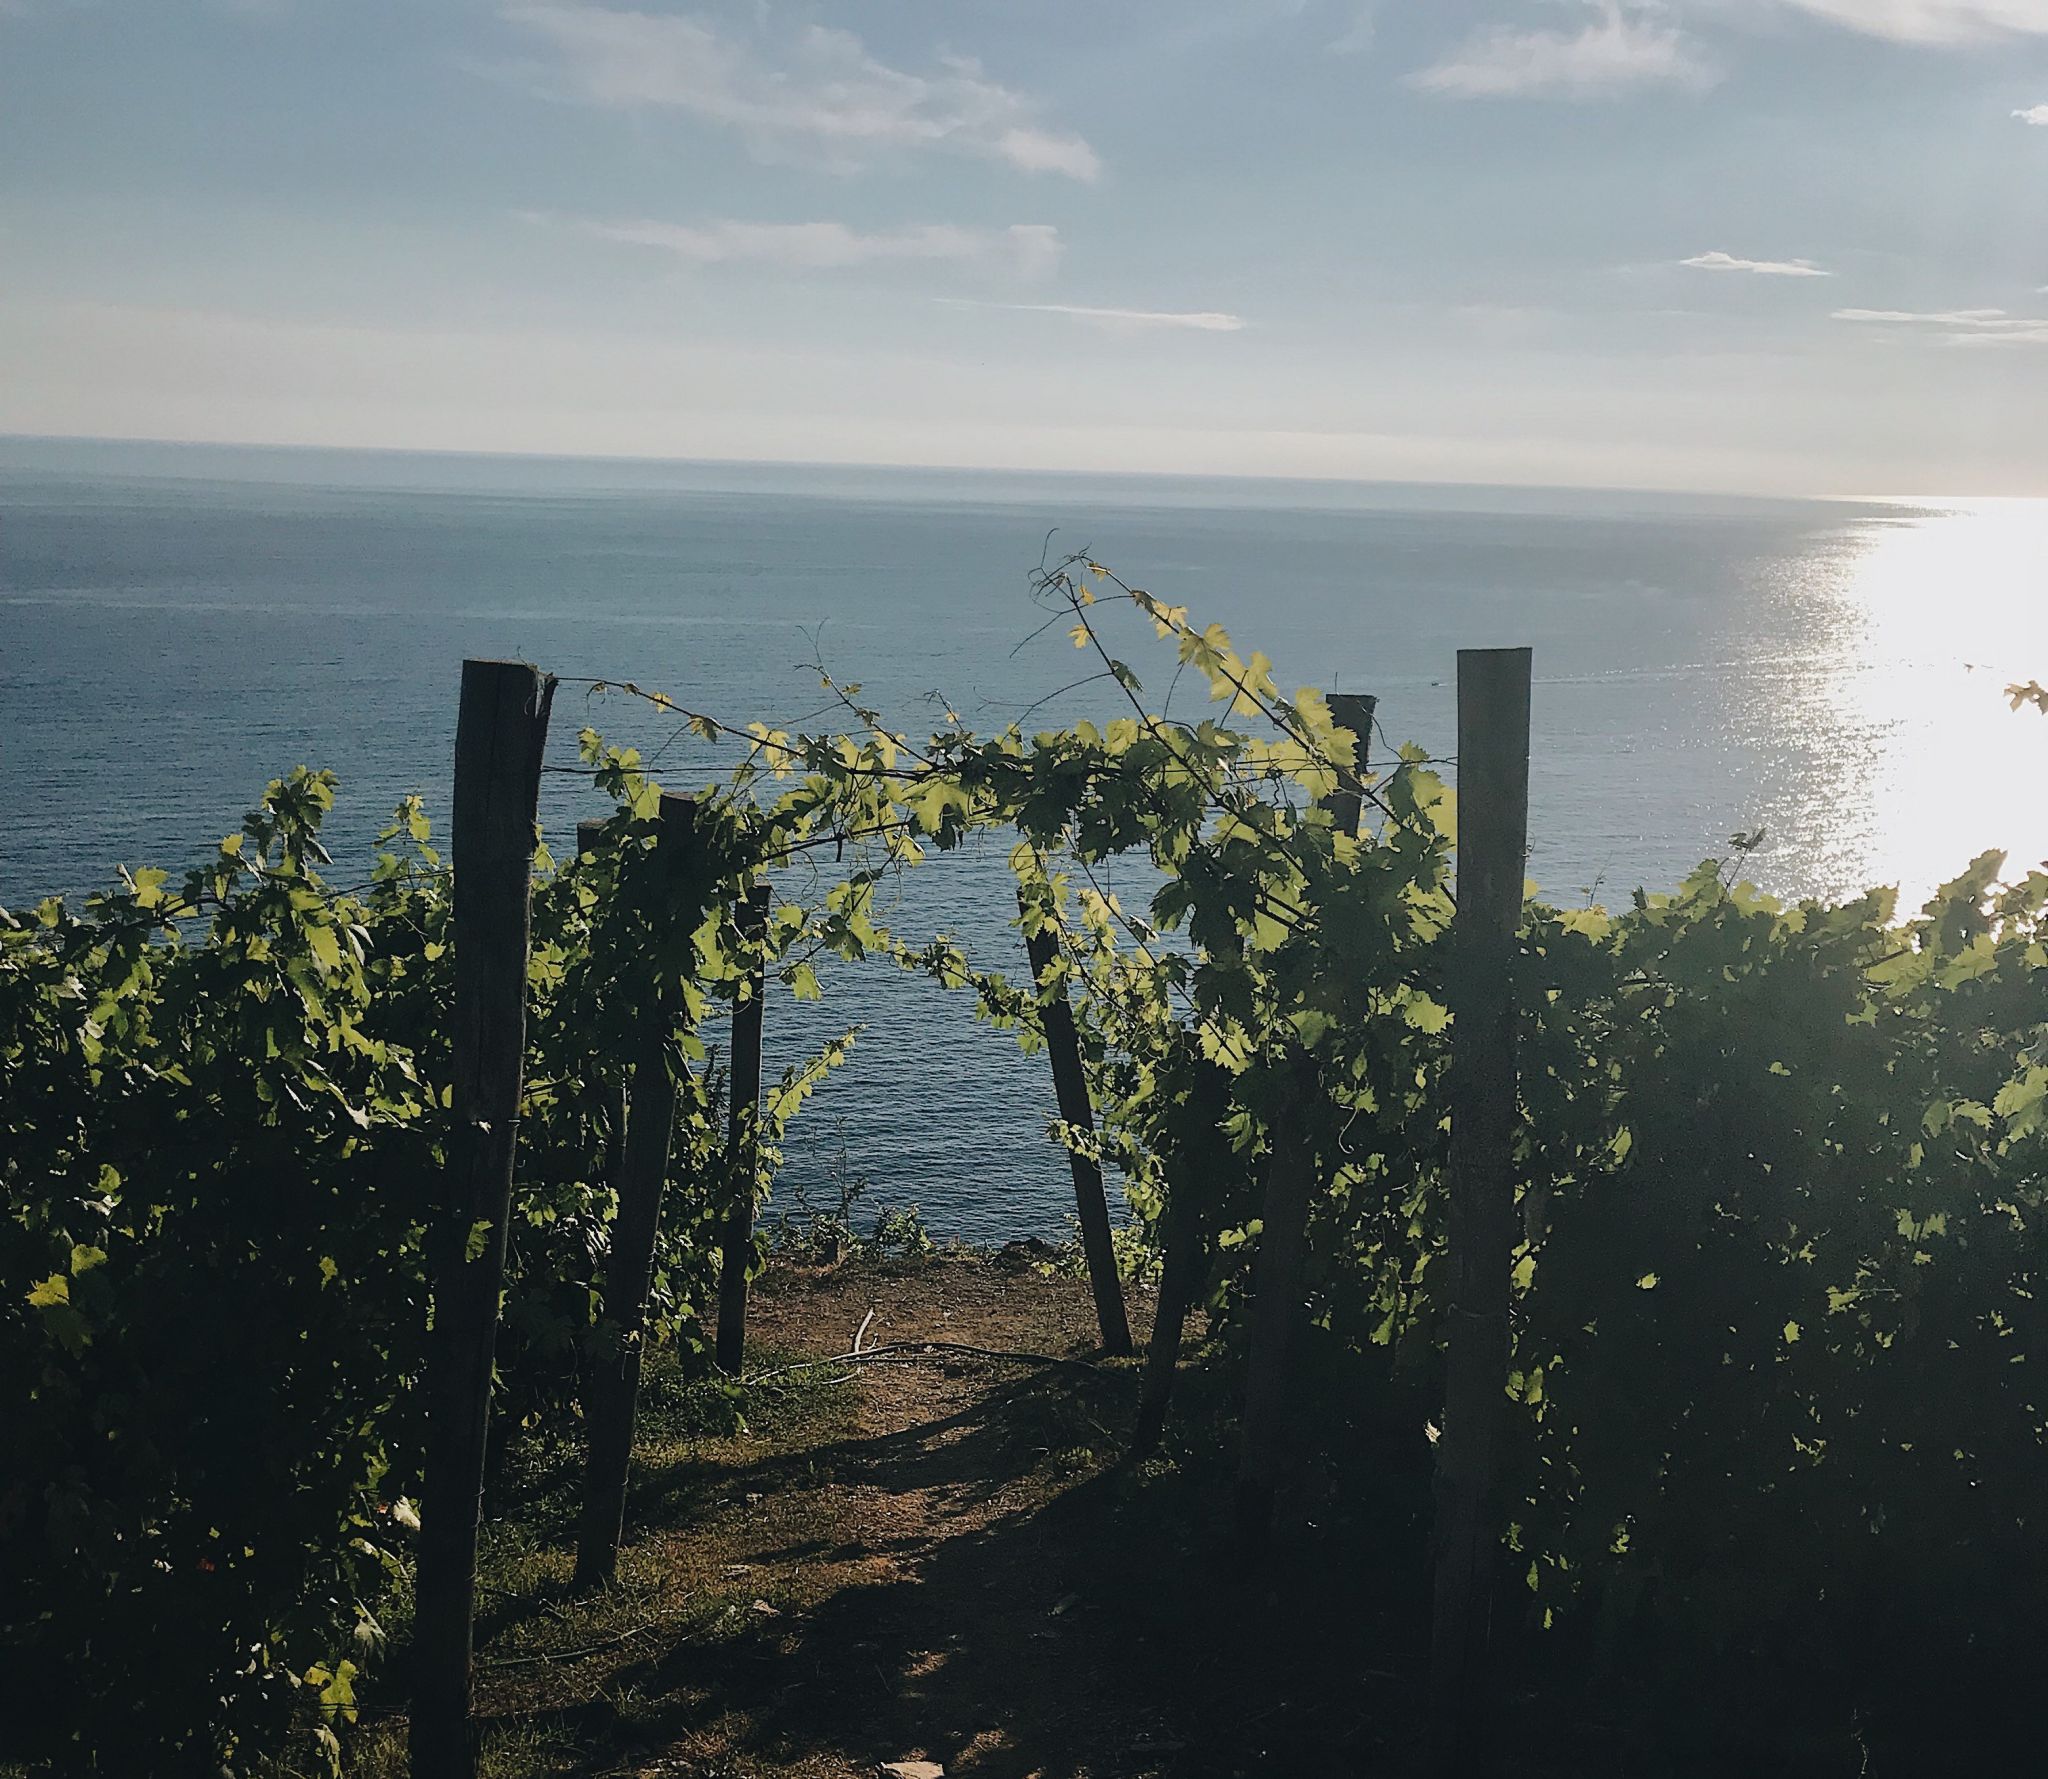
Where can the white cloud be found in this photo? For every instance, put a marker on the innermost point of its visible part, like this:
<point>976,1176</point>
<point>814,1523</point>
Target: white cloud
<point>1990,318</point>
<point>1960,327</point>
<point>1028,248</point>
<point>826,94</point>
<point>2034,114</point>
<point>1625,44</point>
<point>1209,321</point>
<point>1762,268</point>
<point>1932,21</point>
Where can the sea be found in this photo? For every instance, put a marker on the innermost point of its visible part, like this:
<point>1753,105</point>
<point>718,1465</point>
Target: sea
<point>180,624</point>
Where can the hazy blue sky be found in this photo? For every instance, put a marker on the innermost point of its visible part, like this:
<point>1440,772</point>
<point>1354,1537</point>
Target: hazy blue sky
<point>1792,245</point>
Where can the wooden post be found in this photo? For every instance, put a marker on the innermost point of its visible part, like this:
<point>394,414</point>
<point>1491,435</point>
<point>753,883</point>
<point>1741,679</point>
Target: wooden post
<point>500,733</point>
<point>613,1385</point>
<point>1190,1213</point>
<point>1070,1086</point>
<point>744,1144</point>
<point>1493,837</point>
<point>1179,1280</point>
<point>1277,1273</point>
<point>589,837</point>
<point>1281,1264</point>
<point>1353,711</point>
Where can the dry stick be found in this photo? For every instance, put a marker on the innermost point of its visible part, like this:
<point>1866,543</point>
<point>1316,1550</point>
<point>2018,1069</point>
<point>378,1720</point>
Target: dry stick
<point>572,1655</point>
<point>614,1385</point>
<point>1282,1259</point>
<point>1070,1084</point>
<point>908,1351</point>
<point>500,733</point>
<point>1493,836</point>
<point>744,1142</point>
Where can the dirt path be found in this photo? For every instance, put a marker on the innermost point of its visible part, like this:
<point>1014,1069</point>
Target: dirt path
<point>936,1561</point>
<point>931,1607</point>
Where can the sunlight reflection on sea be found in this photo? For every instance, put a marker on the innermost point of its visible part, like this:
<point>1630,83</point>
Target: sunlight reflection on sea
<point>1913,760</point>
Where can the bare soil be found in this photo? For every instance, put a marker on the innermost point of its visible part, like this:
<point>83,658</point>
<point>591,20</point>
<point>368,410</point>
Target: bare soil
<point>940,1560</point>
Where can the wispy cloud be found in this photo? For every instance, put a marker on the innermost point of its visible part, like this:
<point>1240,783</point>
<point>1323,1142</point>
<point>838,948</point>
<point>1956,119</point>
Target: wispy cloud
<point>1623,44</point>
<point>1208,321</point>
<point>1962,327</point>
<point>1761,268</point>
<point>1932,21</point>
<point>824,93</point>
<point>1028,248</point>
<point>2034,114</point>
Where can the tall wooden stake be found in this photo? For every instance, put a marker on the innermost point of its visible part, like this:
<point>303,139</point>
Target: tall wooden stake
<point>1180,1278</point>
<point>744,1083</point>
<point>1353,711</point>
<point>1190,1213</point>
<point>1281,1264</point>
<point>613,1383</point>
<point>500,733</point>
<point>1070,1086</point>
<point>1493,844</point>
<point>1277,1273</point>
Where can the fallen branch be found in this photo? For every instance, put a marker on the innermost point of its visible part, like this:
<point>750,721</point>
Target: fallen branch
<point>910,1351</point>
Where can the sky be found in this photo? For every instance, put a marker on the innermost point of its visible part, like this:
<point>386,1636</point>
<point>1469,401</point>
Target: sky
<point>1784,246</point>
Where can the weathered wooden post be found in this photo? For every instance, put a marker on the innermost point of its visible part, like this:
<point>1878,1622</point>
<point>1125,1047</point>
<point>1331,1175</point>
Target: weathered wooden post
<point>1281,1263</point>
<point>1353,711</point>
<point>500,733</point>
<point>1180,1273</point>
<point>1070,1087</point>
<point>743,1081</point>
<point>1493,844</point>
<point>1192,1188</point>
<point>613,1382</point>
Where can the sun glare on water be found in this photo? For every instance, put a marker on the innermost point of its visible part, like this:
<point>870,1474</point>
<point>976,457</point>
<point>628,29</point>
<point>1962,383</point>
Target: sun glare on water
<point>1918,761</point>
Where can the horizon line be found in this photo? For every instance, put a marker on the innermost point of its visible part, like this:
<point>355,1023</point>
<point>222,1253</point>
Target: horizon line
<point>433,452</point>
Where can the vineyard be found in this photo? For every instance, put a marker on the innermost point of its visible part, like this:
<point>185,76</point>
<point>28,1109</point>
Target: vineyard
<point>1662,1284</point>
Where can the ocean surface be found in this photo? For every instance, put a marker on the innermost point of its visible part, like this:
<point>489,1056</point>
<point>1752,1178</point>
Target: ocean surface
<point>180,624</point>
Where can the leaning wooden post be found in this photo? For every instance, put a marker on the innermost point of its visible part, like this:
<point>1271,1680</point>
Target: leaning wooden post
<point>743,1082</point>
<point>1070,1087</point>
<point>1186,1237</point>
<point>613,1384</point>
<point>1281,1264</point>
<point>1180,1273</point>
<point>1493,843</point>
<point>500,733</point>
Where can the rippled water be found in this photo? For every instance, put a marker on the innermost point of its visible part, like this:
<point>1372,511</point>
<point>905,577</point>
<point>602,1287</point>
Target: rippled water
<point>178,625</point>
